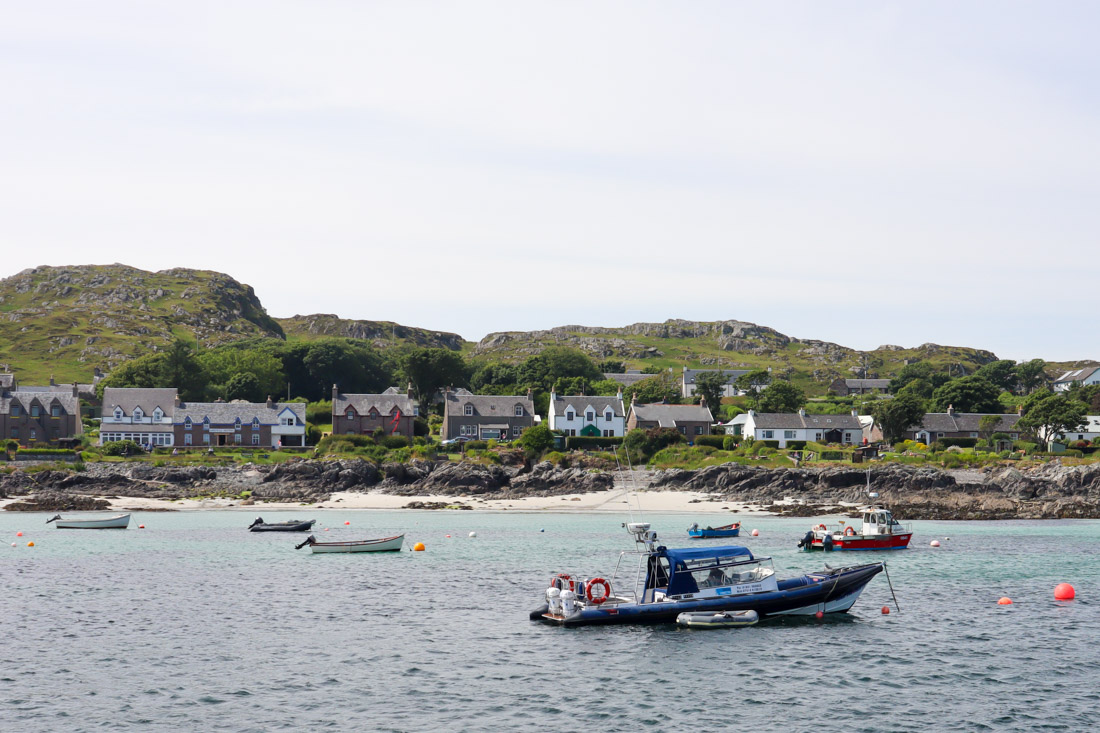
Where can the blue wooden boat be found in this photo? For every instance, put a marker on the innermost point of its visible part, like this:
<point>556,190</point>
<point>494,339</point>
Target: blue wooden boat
<point>669,582</point>
<point>729,530</point>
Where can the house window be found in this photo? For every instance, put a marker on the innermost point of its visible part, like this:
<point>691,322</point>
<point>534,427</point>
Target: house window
<point>351,414</point>
<point>467,409</point>
<point>187,422</point>
<point>34,435</point>
<point>138,414</point>
<point>237,438</point>
<point>519,411</point>
<point>698,429</point>
<point>515,431</point>
<point>206,439</point>
<point>55,410</point>
<point>56,434</point>
<point>157,415</point>
<point>237,423</point>
<point>609,416</point>
<point>789,434</point>
<point>187,439</point>
<point>768,434</point>
<point>373,414</point>
<point>818,436</point>
<point>683,429</point>
<point>206,424</point>
<point>255,438</point>
<point>35,410</point>
<point>608,433</point>
<point>255,423</point>
<point>118,413</point>
<point>569,415</point>
<point>590,416</point>
<point>15,433</point>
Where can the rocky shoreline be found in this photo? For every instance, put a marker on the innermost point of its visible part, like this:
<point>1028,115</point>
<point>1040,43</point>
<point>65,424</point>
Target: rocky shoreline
<point>1049,491</point>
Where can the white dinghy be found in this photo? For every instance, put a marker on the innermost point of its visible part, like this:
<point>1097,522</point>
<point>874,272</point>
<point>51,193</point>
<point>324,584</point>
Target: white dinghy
<point>385,544</point>
<point>118,521</point>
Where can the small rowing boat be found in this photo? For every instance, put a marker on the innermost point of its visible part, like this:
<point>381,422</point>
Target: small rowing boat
<point>729,530</point>
<point>292,526</point>
<point>723,620</point>
<point>119,521</point>
<point>385,544</point>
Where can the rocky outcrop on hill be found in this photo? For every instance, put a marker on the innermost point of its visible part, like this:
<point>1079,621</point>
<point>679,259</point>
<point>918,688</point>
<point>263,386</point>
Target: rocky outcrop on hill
<point>380,333</point>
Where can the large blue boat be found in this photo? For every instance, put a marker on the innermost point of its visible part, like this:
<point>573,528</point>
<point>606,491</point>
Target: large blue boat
<point>715,579</point>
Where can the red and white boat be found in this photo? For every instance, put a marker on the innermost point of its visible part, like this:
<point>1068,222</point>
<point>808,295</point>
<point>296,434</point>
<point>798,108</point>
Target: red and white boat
<point>880,531</point>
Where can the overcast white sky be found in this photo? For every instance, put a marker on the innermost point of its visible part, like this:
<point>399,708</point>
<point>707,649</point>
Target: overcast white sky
<point>859,172</point>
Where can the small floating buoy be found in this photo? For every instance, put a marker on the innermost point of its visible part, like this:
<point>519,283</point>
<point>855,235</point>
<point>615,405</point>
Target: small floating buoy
<point>473,534</point>
<point>14,545</point>
<point>141,526</point>
<point>18,534</point>
<point>819,615</point>
<point>30,544</point>
<point>756,533</point>
<point>418,547</point>
<point>347,522</point>
<point>1064,592</point>
<point>1005,601</point>
<point>934,543</point>
<point>885,610</point>
<point>542,530</point>
<point>447,536</point>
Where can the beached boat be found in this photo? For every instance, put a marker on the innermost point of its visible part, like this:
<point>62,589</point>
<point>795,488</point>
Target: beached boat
<point>292,526</point>
<point>118,521</point>
<point>729,530</point>
<point>386,544</point>
<point>721,620</point>
<point>879,531</point>
<point>718,579</point>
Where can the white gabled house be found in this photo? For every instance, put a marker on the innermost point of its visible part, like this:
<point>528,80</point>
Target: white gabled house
<point>785,427</point>
<point>584,415</point>
<point>1084,377</point>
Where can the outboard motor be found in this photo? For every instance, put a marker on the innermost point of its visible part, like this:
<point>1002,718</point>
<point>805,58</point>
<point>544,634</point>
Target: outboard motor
<point>568,602</point>
<point>827,542</point>
<point>553,600</point>
<point>807,540</point>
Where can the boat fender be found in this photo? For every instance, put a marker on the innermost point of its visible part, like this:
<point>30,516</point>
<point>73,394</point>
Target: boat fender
<point>594,599</point>
<point>559,580</point>
<point>849,532</point>
<point>553,600</point>
<point>568,602</point>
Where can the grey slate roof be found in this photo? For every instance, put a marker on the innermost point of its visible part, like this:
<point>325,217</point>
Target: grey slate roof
<point>384,403</point>
<point>798,421</point>
<point>1077,375</point>
<point>731,374</point>
<point>70,404</point>
<point>867,383</point>
<point>963,422</point>
<point>628,378</point>
<point>226,413</point>
<point>488,405</point>
<point>669,416</point>
<point>147,398</point>
<point>580,402</point>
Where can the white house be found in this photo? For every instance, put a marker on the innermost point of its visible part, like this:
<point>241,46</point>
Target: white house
<point>687,383</point>
<point>585,415</point>
<point>1084,377</point>
<point>785,427</point>
<point>138,414</point>
<point>1090,433</point>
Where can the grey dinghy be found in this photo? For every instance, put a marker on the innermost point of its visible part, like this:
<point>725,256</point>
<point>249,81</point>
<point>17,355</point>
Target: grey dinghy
<point>386,544</point>
<point>700,580</point>
<point>118,521</point>
<point>723,620</point>
<point>292,526</point>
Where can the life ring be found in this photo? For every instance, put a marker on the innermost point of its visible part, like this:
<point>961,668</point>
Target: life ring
<point>820,527</point>
<point>558,581</point>
<point>849,532</point>
<point>595,601</point>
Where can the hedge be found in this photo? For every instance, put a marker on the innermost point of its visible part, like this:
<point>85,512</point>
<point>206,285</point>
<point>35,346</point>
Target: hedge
<point>475,445</point>
<point>46,451</point>
<point>960,442</point>
<point>597,442</point>
<point>796,444</point>
<point>832,455</point>
<point>714,441</point>
<point>769,443</point>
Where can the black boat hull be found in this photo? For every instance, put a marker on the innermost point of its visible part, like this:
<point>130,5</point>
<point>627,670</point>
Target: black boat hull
<point>284,527</point>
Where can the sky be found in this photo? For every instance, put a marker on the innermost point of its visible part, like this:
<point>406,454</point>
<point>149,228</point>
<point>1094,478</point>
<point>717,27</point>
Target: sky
<point>859,172</point>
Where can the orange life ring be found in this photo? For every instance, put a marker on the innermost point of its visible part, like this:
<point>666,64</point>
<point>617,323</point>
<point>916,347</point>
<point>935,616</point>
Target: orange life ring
<point>558,581</point>
<point>849,532</point>
<point>606,591</point>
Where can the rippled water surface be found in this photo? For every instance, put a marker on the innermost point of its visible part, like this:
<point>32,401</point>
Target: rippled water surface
<point>194,623</point>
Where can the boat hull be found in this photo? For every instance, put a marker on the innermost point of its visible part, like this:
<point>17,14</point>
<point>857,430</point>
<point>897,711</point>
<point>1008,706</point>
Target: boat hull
<point>706,534</point>
<point>284,527</point>
<point>857,542</point>
<point>830,592</point>
<point>387,544</point>
<point>121,521</point>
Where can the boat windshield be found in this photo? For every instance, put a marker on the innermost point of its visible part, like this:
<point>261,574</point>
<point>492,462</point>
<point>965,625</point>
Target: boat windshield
<point>692,572</point>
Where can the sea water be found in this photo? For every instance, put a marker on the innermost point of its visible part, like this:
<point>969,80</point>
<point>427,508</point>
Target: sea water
<point>195,623</point>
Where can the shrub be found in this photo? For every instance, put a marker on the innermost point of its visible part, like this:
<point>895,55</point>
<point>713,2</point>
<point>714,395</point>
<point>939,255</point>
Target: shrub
<point>477,444</point>
<point>319,412</point>
<point>769,443</point>
<point>714,441</point>
<point>394,442</point>
<point>536,439</point>
<point>796,444</point>
<point>729,442</point>
<point>594,442</point>
<point>558,459</point>
<point>960,442</point>
<point>122,447</point>
<point>832,455</point>
<point>421,427</point>
<point>1025,446</point>
<point>401,455</point>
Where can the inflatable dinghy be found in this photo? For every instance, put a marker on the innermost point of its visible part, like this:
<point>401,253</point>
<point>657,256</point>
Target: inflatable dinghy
<point>710,620</point>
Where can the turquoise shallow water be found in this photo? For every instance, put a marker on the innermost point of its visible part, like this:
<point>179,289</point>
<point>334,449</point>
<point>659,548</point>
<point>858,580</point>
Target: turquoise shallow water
<point>195,623</point>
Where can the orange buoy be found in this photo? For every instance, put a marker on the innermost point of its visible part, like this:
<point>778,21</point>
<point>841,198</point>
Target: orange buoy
<point>819,615</point>
<point>418,547</point>
<point>756,533</point>
<point>1005,601</point>
<point>18,534</point>
<point>885,610</point>
<point>1064,592</point>
<point>30,544</point>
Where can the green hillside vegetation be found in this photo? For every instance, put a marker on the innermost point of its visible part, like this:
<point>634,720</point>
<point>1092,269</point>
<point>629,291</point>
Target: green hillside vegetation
<point>381,334</point>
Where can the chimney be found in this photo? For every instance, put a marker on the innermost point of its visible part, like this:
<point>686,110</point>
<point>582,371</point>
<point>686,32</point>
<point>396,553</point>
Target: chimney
<point>335,392</point>
<point>530,394</point>
<point>409,391</point>
<point>634,398</point>
<point>855,413</point>
<point>270,403</point>
<point>52,383</point>
<point>619,394</point>
<point>1020,409</point>
<point>176,401</point>
<point>76,390</point>
<point>702,402</point>
<point>752,412</point>
<point>802,412</point>
<point>950,409</point>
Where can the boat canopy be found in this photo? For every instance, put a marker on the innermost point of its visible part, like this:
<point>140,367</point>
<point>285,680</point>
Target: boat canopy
<point>684,562</point>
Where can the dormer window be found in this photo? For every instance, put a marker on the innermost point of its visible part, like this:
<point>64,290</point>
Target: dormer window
<point>55,410</point>
<point>590,416</point>
<point>118,413</point>
<point>157,415</point>
<point>568,414</point>
<point>519,410</point>
<point>350,414</point>
<point>373,413</point>
<point>138,414</point>
<point>187,422</point>
<point>237,423</point>
<point>206,423</point>
<point>467,409</point>
<point>15,410</point>
<point>35,411</point>
<point>255,422</point>
<point>609,416</point>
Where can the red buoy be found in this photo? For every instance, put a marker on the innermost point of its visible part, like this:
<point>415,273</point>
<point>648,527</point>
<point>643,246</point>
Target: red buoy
<point>885,610</point>
<point>18,534</point>
<point>1064,592</point>
<point>141,526</point>
<point>347,522</point>
<point>1005,601</point>
<point>819,615</point>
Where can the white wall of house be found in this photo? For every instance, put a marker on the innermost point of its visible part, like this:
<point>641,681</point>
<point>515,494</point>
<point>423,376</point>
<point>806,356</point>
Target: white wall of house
<point>786,435</point>
<point>153,428</point>
<point>1090,433</point>
<point>579,414</point>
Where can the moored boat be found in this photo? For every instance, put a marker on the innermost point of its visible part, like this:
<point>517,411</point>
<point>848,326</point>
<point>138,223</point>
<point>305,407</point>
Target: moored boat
<point>717,579</point>
<point>729,530</point>
<point>385,544</point>
<point>118,521</point>
<point>291,526</point>
<point>879,531</point>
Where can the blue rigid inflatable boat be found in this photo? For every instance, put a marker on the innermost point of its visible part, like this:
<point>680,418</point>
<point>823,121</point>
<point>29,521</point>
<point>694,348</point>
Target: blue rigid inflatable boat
<point>699,579</point>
